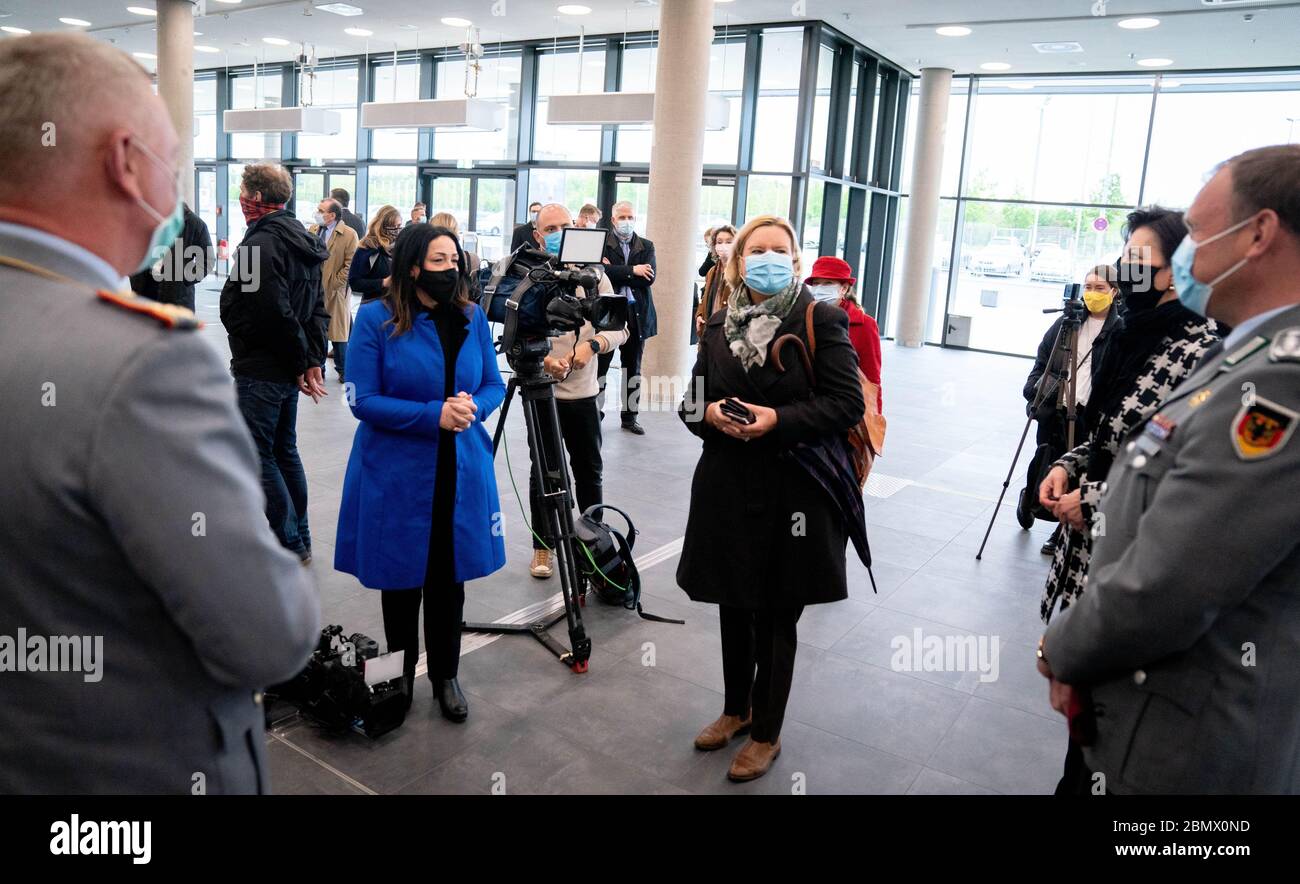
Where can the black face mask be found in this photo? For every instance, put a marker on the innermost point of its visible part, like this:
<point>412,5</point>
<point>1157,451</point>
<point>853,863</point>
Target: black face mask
<point>439,285</point>
<point>1136,284</point>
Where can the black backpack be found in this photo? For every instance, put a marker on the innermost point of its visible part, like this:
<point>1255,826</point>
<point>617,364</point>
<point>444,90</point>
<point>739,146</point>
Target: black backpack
<point>605,560</point>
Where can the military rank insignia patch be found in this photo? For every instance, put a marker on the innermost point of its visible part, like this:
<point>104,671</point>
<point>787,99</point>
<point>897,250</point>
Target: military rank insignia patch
<point>1286,348</point>
<point>1261,430</point>
<point>170,315</point>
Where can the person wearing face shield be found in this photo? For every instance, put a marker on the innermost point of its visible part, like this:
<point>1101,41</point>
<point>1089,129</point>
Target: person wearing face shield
<point>133,514</point>
<point>1159,344</point>
<point>764,537</point>
<point>1186,638</point>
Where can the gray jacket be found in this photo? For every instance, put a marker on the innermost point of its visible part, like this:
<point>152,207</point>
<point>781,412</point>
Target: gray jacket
<point>1189,633</point>
<point>131,515</point>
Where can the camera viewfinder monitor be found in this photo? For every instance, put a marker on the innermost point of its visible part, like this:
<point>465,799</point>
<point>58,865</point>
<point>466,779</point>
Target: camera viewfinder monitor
<point>582,245</point>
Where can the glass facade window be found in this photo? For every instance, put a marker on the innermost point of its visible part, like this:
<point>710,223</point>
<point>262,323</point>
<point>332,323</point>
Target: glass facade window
<point>247,91</point>
<point>392,186</point>
<point>205,118</point>
<point>768,195</point>
<point>849,134</point>
<point>953,135</point>
<point>558,73</point>
<point>726,79</point>
<point>234,214</point>
<point>498,80</point>
<point>779,74</point>
<point>492,212</point>
<point>821,109</point>
<point>633,142</point>
<point>333,89</point>
<point>401,85</point>
<point>571,187</point>
<point>812,216</point>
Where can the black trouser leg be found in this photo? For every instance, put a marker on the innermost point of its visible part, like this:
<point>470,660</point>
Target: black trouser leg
<point>402,627</point>
<point>1076,779</point>
<point>629,356</point>
<point>444,613</point>
<point>580,427</point>
<point>737,627</point>
<point>775,642</point>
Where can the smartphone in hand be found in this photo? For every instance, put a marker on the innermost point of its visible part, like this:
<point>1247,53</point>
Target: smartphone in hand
<point>737,412</point>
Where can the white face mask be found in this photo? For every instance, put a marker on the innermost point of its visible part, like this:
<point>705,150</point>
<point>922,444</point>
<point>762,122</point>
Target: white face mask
<point>826,292</point>
<point>319,218</point>
<point>723,250</point>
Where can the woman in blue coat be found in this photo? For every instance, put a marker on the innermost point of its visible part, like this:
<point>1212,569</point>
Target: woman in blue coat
<point>420,514</point>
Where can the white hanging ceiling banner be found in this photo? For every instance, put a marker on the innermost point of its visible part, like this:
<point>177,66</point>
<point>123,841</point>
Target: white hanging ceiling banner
<point>303,120</point>
<point>624,108</point>
<point>434,113</point>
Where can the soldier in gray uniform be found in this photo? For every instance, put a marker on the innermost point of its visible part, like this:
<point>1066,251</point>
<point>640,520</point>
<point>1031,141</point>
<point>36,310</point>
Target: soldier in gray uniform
<point>144,602</point>
<point>1188,638</point>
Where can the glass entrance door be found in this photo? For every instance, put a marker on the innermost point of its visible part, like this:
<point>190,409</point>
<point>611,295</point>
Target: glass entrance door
<point>481,205</point>
<point>310,186</point>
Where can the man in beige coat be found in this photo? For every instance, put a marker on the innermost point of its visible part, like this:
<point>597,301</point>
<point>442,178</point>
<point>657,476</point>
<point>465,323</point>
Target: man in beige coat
<point>341,241</point>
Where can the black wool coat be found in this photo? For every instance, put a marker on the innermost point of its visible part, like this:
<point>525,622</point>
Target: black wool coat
<point>761,533</point>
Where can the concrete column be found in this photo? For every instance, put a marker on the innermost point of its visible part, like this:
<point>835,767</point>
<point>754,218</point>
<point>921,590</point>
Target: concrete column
<point>176,81</point>
<point>676,166</point>
<point>923,206</point>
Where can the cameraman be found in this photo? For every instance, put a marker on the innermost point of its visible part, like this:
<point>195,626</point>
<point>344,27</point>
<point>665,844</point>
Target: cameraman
<point>1099,293</point>
<point>572,362</point>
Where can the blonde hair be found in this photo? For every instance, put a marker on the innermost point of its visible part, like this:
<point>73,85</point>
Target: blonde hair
<point>375,237</point>
<point>733,275</point>
<point>447,220</point>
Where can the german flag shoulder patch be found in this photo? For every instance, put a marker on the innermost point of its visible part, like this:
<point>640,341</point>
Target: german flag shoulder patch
<point>170,315</point>
<point>1262,429</point>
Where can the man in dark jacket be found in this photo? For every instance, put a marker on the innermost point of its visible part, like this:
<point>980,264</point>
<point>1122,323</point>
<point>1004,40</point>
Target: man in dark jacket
<point>274,313</point>
<point>629,261</point>
<point>523,234</point>
<point>348,217</point>
<point>171,280</point>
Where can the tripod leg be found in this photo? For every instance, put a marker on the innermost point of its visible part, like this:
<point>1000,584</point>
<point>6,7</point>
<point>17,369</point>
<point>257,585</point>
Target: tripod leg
<point>511,387</point>
<point>1005,484</point>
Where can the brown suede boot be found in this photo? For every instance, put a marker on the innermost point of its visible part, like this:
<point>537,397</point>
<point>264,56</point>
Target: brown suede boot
<point>753,760</point>
<point>721,732</point>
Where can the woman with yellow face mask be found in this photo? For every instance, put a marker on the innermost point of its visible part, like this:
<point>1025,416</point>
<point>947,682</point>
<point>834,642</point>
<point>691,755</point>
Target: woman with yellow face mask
<point>1099,293</point>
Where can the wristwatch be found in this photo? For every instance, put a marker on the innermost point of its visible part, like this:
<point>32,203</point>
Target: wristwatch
<point>595,344</point>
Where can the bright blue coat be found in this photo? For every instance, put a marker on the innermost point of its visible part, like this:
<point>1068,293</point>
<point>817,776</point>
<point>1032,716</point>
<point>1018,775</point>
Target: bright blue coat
<point>387,509</point>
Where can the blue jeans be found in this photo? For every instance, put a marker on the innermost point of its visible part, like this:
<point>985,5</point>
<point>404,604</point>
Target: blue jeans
<point>270,409</point>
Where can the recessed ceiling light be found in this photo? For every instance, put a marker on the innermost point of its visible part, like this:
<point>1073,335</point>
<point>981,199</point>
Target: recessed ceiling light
<point>1055,48</point>
<point>1020,85</point>
<point>1138,24</point>
<point>996,66</point>
<point>573,9</point>
<point>206,49</point>
<point>953,31</point>
<point>454,22</point>
<point>1155,62</point>
<point>76,22</point>
<point>340,9</point>
<point>275,41</point>
<point>230,1</point>
<point>147,56</point>
<point>10,29</point>
<point>142,10</point>
<point>359,32</point>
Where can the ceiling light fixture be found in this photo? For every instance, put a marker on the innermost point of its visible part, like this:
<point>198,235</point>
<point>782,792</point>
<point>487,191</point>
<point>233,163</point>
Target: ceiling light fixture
<point>1020,85</point>
<point>1138,24</point>
<point>452,21</point>
<point>359,32</point>
<point>148,56</point>
<point>573,9</point>
<point>275,41</point>
<point>231,2</point>
<point>76,22</point>
<point>996,66</point>
<point>142,10</point>
<point>10,29</point>
<point>340,9</point>
<point>206,49</point>
<point>1155,62</point>
<point>953,31</point>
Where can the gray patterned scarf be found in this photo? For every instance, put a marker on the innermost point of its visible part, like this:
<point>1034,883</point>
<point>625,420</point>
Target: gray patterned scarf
<point>750,327</point>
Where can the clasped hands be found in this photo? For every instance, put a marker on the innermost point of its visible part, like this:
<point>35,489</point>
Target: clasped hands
<point>457,412</point>
<point>764,421</point>
<point>1065,505</point>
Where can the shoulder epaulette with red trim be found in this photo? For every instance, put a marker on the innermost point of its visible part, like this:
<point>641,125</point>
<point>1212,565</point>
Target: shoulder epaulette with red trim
<point>170,315</point>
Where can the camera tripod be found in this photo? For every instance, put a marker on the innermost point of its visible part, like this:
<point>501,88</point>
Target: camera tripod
<point>536,390</point>
<point>1063,368</point>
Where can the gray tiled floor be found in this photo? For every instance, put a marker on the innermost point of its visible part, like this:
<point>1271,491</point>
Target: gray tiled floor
<point>857,722</point>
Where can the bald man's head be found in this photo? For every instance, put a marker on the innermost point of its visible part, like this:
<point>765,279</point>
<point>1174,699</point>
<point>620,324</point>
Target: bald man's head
<point>62,94</point>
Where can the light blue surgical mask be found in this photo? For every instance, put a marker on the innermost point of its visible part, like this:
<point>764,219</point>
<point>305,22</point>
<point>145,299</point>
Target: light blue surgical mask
<point>829,292</point>
<point>768,272</point>
<point>625,229</point>
<point>1194,294</point>
<point>553,241</point>
<point>167,227</point>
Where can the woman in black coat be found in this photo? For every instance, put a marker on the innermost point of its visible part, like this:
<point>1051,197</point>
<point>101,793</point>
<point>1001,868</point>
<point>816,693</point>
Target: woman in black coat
<point>763,539</point>
<point>372,263</point>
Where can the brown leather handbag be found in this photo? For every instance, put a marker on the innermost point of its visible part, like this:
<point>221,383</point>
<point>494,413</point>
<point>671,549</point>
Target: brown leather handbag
<point>866,438</point>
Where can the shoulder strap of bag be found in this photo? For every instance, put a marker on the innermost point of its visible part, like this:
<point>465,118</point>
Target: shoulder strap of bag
<point>812,335</point>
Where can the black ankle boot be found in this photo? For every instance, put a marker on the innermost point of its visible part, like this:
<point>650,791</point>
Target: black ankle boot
<point>451,700</point>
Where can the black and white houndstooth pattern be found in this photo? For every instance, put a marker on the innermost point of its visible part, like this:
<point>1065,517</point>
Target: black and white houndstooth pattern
<point>1175,360</point>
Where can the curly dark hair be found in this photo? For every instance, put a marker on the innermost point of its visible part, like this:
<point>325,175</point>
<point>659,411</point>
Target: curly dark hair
<point>409,251</point>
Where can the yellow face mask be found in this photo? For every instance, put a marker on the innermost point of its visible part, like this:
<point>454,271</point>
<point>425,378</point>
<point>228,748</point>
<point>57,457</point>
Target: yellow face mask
<point>1097,301</point>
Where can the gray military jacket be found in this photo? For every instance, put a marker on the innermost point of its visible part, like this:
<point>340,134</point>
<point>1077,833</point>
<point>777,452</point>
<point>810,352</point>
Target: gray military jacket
<point>1189,633</point>
<point>133,542</point>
